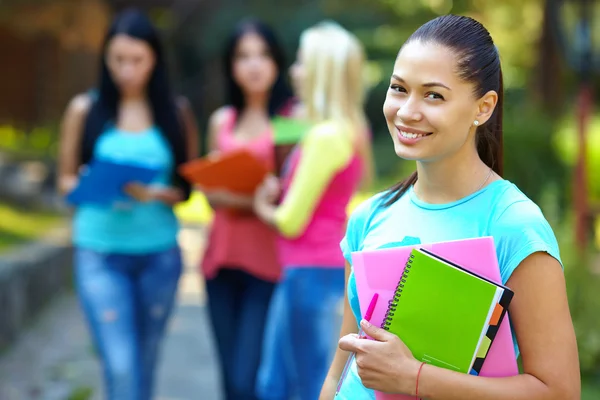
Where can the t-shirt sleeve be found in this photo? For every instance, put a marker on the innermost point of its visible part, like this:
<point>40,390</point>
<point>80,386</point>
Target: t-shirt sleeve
<point>520,231</point>
<point>357,226</point>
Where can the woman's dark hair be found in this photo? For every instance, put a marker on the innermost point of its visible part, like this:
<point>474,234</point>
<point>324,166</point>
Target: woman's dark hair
<point>478,62</point>
<point>281,94</point>
<point>103,112</point>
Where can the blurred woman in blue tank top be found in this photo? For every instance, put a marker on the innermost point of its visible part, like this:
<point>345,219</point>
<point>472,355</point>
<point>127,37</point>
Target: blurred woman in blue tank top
<point>127,259</point>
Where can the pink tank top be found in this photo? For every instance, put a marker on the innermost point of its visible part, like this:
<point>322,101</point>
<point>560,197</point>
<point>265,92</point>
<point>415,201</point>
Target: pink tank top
<point>242,242</point>
<point>319,245</point>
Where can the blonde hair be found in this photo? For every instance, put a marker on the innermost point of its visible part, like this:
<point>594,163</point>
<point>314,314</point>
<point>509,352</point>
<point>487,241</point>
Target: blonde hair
<point>334,87</point>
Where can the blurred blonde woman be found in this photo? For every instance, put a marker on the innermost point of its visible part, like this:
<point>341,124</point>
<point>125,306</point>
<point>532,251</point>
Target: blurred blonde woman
<point>320,176</point>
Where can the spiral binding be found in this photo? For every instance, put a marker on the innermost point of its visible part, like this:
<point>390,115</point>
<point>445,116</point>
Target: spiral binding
<point>393,302</point>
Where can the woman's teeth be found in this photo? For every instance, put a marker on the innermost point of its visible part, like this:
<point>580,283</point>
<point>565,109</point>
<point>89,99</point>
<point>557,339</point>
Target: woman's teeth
<point>410,135</point>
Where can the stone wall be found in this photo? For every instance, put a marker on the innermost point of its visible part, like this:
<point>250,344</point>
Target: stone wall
<point>30,277</point>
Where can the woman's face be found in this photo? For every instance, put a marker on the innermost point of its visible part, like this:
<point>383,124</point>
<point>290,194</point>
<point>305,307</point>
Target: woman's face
<point>429,110</point>
<point>297,74</point>
<point>130,63</point>
<point>254,69</point>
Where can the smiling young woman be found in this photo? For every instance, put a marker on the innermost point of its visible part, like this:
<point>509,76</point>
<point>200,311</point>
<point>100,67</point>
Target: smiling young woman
<point>444,111</point>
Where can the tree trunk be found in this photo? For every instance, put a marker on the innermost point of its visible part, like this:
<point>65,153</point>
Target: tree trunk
<point>548,88</point>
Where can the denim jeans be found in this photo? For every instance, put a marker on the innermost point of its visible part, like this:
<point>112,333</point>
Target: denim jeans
<point>238,304</point>
<point>302,326</point>
<point>127,300</point>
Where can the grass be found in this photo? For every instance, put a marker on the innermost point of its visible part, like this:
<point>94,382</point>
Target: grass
<point>19,225</point>
<point>81,393</point>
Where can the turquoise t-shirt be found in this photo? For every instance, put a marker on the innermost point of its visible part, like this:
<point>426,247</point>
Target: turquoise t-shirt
<point>131,227</point>
<point>500,210</point>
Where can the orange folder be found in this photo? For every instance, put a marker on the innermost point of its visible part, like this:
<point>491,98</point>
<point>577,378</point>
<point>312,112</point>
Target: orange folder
<point>239,172</point>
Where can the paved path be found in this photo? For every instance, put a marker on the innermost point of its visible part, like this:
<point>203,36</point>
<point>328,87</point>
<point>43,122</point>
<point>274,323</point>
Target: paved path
<point>54,360</point>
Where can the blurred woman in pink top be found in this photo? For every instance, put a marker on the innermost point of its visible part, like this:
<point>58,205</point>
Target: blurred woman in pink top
<point>321,175</point>
<point>241,265</point>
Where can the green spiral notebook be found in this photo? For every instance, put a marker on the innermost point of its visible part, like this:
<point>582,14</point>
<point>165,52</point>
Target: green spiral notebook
<point>446,315</point>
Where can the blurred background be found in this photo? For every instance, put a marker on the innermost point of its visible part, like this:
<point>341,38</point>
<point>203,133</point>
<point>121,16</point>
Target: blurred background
<point>50,52</point>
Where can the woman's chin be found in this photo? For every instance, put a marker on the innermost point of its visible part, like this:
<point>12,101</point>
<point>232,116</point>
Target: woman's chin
<point>256,88</point>
<point>408,154</point>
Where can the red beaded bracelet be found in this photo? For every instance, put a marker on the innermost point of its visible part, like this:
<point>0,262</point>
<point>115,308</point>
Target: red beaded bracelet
<point>418,374</point>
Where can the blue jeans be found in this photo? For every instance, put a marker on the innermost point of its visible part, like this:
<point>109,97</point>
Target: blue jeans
<point>238,304</point>
<point>302,325</point>
<point>127,300</point>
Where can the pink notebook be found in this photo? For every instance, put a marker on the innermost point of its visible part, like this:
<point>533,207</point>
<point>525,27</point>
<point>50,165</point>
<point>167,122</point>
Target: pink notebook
<point>379,271</point>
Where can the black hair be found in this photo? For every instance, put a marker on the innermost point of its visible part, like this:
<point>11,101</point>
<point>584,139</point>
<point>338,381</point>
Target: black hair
<point>478,62</point>
<point>281,93</point>
<point>103,112</point>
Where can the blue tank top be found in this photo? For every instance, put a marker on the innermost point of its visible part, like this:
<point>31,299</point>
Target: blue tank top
<point>132,227</point>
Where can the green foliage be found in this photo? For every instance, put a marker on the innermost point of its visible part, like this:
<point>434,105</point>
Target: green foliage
<point>18,226</point>
<point>566,141</point>
<point>583,280</point>
<point>40,142</point>
<point>81,393</point>
<point>530,160</point>
<point>590,390</point>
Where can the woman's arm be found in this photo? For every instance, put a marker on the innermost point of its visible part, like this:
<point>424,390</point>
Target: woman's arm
<point>541,318</point>
<point>349,326</point>
<point>71,133</point>
<point>542,321</point>
<point>325,150</point>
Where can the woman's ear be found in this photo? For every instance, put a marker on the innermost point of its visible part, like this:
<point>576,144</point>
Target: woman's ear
<point>487,105</point>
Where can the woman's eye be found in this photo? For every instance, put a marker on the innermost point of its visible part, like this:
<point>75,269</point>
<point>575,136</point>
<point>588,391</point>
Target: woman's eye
<point>398,88</point>
<point>434,96</point>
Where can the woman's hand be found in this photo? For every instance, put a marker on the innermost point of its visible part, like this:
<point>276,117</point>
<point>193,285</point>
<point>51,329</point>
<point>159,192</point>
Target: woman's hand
<point>218,198</point>
<point>140,192</point>
<point>385,363</point>
<point>165,194</point>
<point>265,197</point>
<point>268,192</point>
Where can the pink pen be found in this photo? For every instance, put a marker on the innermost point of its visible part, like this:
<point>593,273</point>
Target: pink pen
<point>361,333</point>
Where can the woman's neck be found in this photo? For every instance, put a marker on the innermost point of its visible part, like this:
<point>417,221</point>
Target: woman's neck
<point>134,113</point>
<point>132,97</point>
<point>256,102</point>
<point>452,178</point>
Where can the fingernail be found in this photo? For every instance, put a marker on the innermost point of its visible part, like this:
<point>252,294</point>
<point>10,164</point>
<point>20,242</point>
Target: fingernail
<point>365,323</point>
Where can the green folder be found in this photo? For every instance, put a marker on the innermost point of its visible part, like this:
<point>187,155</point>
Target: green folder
<point>288,130</point>
<point>444,313</point>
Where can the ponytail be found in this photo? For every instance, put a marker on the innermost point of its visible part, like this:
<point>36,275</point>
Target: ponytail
<point>489,135</point>
<point>397,191</point>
